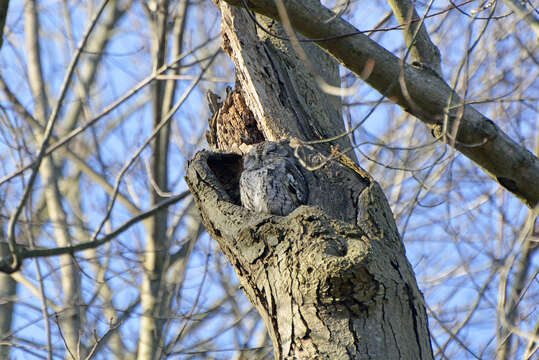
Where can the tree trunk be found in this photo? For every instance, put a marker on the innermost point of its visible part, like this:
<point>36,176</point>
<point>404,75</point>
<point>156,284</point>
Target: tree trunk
<point>419,91</point>
<point>71,317</point>
<point>154,287</point>
<point>330,278</point>
<point>8,293</point>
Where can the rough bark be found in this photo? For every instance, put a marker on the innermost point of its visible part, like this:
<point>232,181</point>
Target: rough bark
<point>280,89</point>
<point>419,91</point>
<point>8,286</point>
<point>325,287</point>
<point>330,279</point>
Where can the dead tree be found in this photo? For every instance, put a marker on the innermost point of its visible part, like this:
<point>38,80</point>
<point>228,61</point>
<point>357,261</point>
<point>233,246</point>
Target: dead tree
<point>309,233</point>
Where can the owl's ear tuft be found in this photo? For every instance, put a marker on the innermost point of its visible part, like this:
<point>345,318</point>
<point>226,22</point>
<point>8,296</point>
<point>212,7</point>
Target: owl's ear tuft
<point>227,167</point>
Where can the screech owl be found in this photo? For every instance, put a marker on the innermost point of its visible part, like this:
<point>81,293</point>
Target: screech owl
<point>271,181</point>
<point>275,181</point>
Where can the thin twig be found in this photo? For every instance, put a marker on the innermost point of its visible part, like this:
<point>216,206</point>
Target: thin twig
<point>16,263</point>
<point>45,252</point>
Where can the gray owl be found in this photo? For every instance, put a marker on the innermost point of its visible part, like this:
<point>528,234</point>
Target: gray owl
<point>271,181</point>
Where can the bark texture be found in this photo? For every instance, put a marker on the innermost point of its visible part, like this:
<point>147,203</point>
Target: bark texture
<point>325,287</point>
<point>279,87</point>
<point>419,91</point>
<point>309,233</point>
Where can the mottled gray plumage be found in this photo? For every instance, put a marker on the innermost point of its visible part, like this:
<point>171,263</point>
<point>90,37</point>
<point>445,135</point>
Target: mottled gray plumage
<point>271,181</point>
<point>274,181</point>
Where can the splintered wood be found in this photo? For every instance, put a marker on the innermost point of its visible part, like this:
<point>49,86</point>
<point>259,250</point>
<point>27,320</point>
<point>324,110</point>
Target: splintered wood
<point>233,124</point>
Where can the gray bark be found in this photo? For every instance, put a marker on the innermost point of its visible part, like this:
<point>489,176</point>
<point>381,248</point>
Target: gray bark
<point>419,91</point>
<point>327,288</point>
<point>315,245</point>
<point>422,49</point>
<point>280,89</point>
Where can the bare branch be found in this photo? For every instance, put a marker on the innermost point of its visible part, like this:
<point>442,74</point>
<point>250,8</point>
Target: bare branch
<point>46,136</point>
<point>415,33</point>
<point>75,132</point>
<point>528,15</point>
<point>32,253</point>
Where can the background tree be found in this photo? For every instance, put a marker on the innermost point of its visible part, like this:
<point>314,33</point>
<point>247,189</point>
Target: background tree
<point>155,291</point>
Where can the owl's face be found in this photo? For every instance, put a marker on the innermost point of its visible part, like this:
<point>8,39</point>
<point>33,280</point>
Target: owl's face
<point>271,181</point>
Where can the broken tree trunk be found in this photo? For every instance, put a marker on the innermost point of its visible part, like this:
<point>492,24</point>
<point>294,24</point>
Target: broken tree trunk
<point>330,279</point>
